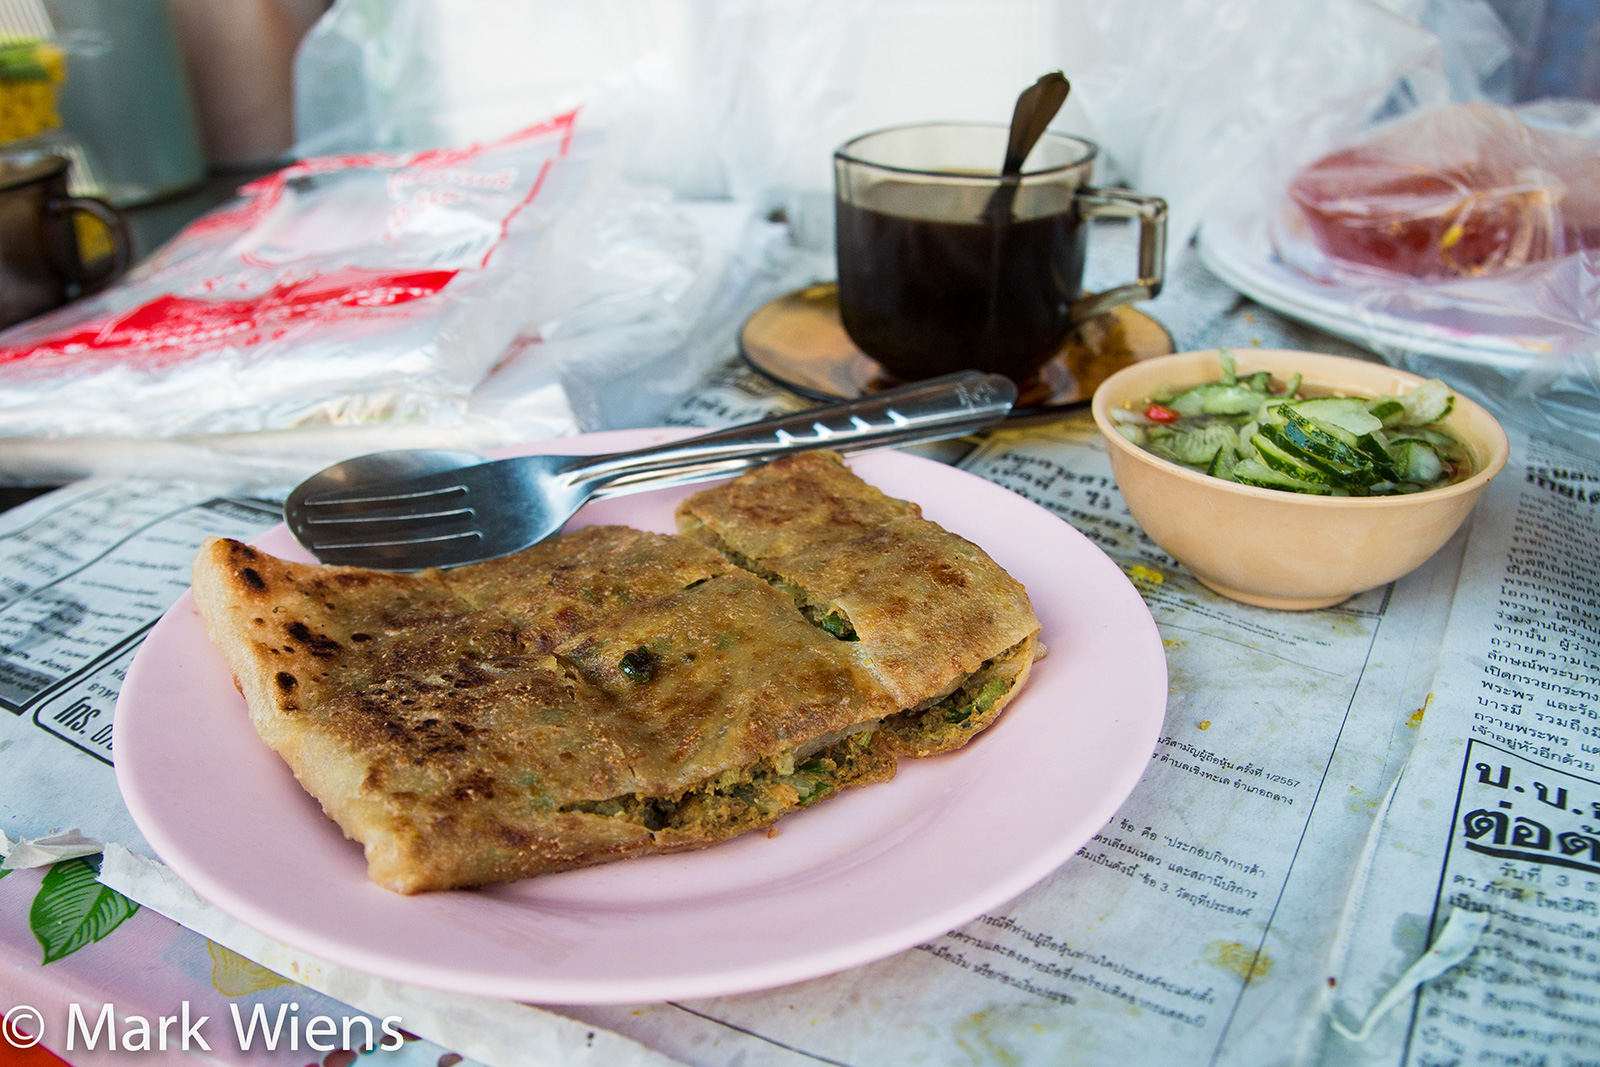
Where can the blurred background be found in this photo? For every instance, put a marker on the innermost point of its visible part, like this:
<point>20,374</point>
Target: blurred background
<point>152,97</point>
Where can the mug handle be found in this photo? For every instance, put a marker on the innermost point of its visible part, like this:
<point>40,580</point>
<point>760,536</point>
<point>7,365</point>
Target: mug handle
<point>121,240</point>
<point>1151,211</point>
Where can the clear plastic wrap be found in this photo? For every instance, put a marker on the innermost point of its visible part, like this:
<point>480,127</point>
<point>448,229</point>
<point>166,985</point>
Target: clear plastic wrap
<point>1464,191</point>
<point>1462,242</point>
<point>342,290</point>
<point>749,99</point>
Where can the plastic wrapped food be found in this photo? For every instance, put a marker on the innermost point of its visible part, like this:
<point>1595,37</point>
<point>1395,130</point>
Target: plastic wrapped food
<point>1461,191</point>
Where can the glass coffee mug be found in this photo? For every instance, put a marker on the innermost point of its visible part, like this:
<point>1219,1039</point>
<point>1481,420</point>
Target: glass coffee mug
<point>42,264</point>
<point>944,265</point>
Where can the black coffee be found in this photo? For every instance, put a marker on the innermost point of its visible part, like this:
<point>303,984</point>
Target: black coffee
<point>926,296</point>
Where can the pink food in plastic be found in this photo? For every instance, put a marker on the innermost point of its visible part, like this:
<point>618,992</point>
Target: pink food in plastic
<point>1458,191</point>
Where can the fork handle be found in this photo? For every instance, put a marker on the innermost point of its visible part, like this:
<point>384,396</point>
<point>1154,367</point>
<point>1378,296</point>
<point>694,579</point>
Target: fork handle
<point>728,468</point>
<point>922,411</point>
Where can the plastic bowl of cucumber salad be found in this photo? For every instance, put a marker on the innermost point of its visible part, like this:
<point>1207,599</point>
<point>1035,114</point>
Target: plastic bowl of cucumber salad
<point>1294,480</point>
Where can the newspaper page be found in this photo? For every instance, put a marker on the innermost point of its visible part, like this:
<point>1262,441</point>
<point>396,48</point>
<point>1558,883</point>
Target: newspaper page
<point>1195,927</point>
<point>84,573</point>
<point>1238,902</point>
<point>1495,824</point>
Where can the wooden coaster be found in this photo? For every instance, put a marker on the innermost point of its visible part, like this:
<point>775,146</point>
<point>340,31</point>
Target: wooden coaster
<point>799,342</point>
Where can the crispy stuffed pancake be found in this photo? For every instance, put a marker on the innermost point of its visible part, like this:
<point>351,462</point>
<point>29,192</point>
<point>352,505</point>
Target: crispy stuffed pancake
<point>605,694</point>
<point>939,623</point>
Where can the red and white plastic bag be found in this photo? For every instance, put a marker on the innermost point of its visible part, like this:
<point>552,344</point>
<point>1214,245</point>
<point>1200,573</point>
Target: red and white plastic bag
<point>341,290</point>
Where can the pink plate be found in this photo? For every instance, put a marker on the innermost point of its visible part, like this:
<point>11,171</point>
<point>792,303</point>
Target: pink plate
<point>869,873</point>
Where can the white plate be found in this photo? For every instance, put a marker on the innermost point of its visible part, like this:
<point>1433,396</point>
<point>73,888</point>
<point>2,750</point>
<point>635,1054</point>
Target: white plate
<point>1238,249</point>
<point>867,874</point>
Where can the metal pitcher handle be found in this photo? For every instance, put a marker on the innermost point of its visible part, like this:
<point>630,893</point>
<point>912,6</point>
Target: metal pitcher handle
<point>1151,211</point>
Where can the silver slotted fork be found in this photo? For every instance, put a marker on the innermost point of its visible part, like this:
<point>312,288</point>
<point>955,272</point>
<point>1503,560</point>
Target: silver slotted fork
<point>487,509</point>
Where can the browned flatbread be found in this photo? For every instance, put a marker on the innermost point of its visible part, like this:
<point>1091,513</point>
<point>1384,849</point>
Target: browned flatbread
<point>610,692</point>
<point>940,624</point>
<point>474,725</point>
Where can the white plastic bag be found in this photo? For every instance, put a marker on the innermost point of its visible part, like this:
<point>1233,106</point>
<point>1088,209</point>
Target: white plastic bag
<point>342,290</point>
<point>749,100</point>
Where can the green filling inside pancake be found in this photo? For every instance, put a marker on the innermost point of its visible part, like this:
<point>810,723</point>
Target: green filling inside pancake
<point>755,795</point>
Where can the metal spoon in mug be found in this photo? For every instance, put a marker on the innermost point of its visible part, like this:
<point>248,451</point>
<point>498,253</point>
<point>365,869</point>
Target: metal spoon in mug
<point>1036,107</point>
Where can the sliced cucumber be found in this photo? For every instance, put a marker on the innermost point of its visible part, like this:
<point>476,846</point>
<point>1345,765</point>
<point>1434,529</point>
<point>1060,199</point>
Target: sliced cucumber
<point>1346,413</point>
<point>1159,448</point>
<point>1422,433</point>
<point>1284,461</point>
<point>1254,472</point>
<point>1236,400</point>
<point>1247,441</point>
<point>1198,446</point>
<point>1217,398</point>
<point>1222,463</point>
<point>1230,369</point>
<point>1379,453</point>
<point>1427,403</point>
<point>1385,408</point>
<point>1287,440</point>
<point>1189,402</point>
<point>1241,429</point>
<point>1321,440</point>
<point>1419,462</point>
